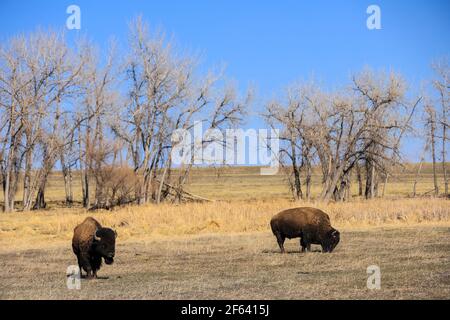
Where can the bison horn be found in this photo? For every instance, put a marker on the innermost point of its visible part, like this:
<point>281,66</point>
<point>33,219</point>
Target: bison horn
<point>96,237</point>
<point>115,232</point>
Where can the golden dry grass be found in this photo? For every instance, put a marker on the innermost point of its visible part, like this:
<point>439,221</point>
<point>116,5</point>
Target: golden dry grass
<point>32,229</point>
<point>413,261</point>
<point>246,183</point>
<point>225,249</point>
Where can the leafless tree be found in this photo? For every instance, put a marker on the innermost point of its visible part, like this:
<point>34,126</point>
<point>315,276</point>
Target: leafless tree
<point>165,94</point>
<point>419,167</point>
<point>12,82</point>
<point>98,101</point>
<point>68,155</point>
<point>431,124</point>
<point>442,86</point>
<point>37,73</point>
<point>361,123</point>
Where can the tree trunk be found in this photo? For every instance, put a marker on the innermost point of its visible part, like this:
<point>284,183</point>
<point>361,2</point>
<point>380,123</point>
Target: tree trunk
<point>360,180</point>
<point>444,141</point>
<point>369,180</point>
<point>161,184</point>
<point>297,182</point>
<point>373,184</point>
<point>67,175</point>
<point>417,177</point>
<point>70,186</point>
<point>166,169</point>
<point>6,191</point>
<point>433,151</point>
<point>83,172</point>
<point>26,199</point>
<point>13,183</point>
<point>348,189</point>
<point>146,174</point>
<point>331,182</point>
<point>85,182</point>
<point>12,174</point>
<point>385,185</point>
<point>298,194</point>
<point>40,199</point>
<point>308,180</point>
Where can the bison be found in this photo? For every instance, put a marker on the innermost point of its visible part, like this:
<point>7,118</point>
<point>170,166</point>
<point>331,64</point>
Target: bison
<point>310,224</point>
<point>90,243</point>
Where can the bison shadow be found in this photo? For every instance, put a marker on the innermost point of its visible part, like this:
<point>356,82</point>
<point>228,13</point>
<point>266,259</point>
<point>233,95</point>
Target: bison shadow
<point>97,278</point>
<point>291,252</point>
<point>85,277</point>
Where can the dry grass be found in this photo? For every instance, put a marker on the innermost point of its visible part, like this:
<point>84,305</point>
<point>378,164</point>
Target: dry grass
<point>33,229</point>
<point>414,264</point>
<point>246,183</point>
<point>224,249</point>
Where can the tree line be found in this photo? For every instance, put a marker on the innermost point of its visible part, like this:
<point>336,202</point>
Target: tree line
<point>111,118</point>
<point>75,107</point>
<point>355,132</point>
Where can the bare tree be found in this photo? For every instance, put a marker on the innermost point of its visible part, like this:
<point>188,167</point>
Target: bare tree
<point>68,156</point>
<point>395,159</point>
<point>297,134</point>
<point>69,105</point>
<point>431,124</point>
<point>442,85</point>
<point>165,95</point>
<point>12,82</point>
<point>419,167</point>
<point>98,103</point>
<point>360,123</point>
<point>40,68</point>
<point>359,178</point>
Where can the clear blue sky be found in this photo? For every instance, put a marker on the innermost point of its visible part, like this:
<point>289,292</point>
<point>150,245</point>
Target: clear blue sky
<point>268,44</point>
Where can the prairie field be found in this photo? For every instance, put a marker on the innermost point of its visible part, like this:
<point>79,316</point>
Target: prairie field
<point>413,261</point>
<point>169,146</point>
<point>224,249</point>
<point>246,183</point>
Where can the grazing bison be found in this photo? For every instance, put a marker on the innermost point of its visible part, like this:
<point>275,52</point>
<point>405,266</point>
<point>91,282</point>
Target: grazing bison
<point>311,225</point>
<point>90,243</point>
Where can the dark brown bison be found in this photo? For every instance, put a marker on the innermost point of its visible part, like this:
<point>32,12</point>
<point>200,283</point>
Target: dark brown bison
<point>311,225</point>
<point>90,243</point>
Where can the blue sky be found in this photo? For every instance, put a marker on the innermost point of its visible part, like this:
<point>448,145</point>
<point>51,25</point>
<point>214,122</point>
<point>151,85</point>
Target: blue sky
<point>268,44</point>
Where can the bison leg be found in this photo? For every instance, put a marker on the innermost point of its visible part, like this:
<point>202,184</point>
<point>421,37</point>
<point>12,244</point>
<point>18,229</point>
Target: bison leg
<point>302,245</point>
<point>96,262</point>
<point>280,240</point>
<point>305,245</point>
<point>84,260</point>
<point>81,268</point>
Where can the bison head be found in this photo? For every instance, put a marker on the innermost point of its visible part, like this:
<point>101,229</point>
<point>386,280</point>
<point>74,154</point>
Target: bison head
<point>105,244</point>
<point>331,240</point>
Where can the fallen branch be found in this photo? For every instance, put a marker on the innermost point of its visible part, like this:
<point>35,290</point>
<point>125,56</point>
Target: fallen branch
<point>186,194</point>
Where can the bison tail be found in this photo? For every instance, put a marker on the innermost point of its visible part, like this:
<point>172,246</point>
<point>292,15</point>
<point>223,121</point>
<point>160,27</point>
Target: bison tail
<point>273,226</point>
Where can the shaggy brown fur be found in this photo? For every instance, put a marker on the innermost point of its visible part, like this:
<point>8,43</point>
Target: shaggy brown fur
<point>310,224</point>
<point>90,243</point>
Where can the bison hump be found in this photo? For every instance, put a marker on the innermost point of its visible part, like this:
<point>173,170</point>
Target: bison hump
<point>83,234</point>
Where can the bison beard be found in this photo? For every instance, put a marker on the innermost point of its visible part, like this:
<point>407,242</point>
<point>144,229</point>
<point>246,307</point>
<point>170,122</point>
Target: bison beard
<point>311,225</point>
<point>91,242</point>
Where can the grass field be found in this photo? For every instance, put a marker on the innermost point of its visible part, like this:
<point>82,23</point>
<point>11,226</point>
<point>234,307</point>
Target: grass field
<point>413,261</point>
<point>224,249</point>
<point>246,183</point>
